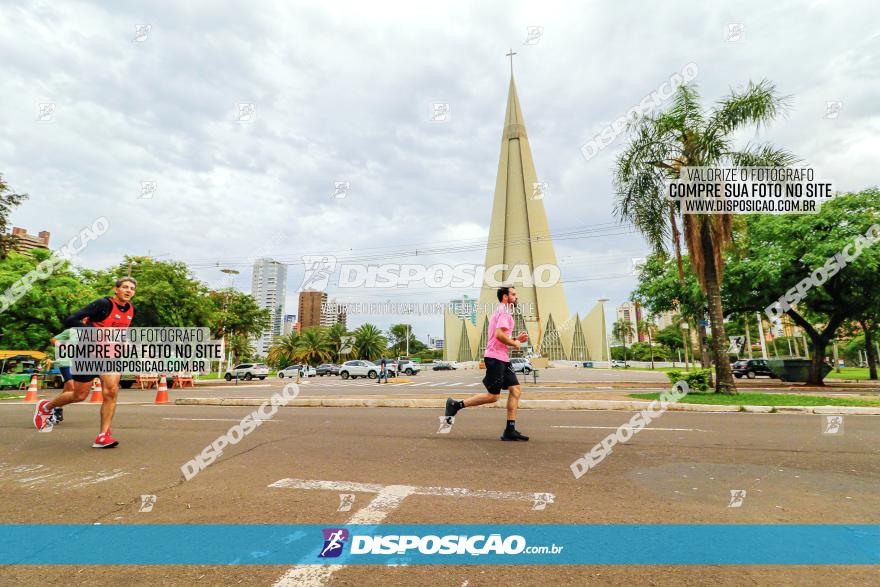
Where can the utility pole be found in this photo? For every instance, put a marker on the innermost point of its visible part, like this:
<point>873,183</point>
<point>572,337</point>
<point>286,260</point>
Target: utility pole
<point>836,360</point>
<point>761,334</point>
<point>748,339</point>
<point>684,326</point>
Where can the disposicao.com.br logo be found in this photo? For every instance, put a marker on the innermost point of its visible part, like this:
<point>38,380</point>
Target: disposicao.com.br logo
<point>454,544</point>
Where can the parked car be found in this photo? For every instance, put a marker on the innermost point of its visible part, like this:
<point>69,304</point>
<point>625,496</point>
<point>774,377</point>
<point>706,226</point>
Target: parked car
<point>751,368</point>
<point>618,363</point>
<point>521,365</point>
<point>291,371</point>
<point>247,371</point>
<point>443,366</point>
<point>327,369</point>
<point>359,368</point>
<point>409,367</point>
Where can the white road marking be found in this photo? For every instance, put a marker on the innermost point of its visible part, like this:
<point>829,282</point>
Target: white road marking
<point>616,427</point>
<point>388,498</point>
<point>29,480</point>
<point>248,386</point>
<point>213,419</point>
<point>473,384</point>
<point>116,473</point>
<point>423,383</point>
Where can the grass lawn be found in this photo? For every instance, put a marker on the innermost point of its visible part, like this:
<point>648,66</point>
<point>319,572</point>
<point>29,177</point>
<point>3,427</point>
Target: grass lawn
<point>856,373</point>
<point>4,395</point>
<point>763,399</point>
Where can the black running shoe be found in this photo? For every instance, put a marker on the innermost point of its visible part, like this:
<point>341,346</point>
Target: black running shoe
<point>513,435</point>
<point>57,415</point>
<point>451,408</point>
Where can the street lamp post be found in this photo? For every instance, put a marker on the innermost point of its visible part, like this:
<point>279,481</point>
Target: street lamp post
<point>685,327</point>
<point>231,273</point>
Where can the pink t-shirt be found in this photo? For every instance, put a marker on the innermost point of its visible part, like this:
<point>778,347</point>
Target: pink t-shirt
<point>495,349</point>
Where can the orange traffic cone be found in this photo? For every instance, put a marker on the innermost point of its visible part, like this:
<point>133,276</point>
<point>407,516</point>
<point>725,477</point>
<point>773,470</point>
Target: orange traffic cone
<point>31,395</point>
<point>162,391</point>
<point>97,392</point>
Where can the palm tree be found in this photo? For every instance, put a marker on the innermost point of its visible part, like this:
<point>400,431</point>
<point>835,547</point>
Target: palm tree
<point>283,350</point>
<point>649,328</point>
<point>369,342</point>
<point>621,330</point>
<point>314,347</point>
<point>685,135</point>
<point>334,337</point>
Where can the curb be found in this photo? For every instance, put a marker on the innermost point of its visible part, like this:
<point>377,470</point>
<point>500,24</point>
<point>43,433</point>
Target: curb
<point>541,404</point>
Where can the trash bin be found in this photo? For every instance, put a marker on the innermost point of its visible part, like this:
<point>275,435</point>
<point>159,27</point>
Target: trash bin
<point>795,370</point>
<point>588,364</point>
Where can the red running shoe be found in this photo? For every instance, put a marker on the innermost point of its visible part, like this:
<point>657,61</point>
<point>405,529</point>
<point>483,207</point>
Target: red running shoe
<point>42,417</point>
<point>104,440</point>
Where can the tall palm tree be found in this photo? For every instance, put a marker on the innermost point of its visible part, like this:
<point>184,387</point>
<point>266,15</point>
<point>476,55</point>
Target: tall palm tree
<point>648,328</point>
<point>621,330</point>
<point>686,135</point>
<point>314,347</point>
<point>369,342</point>
<point>282,351</point>
<point>334,337</point>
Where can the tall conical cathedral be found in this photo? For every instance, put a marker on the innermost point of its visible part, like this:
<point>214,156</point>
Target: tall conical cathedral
<point>520,236</point>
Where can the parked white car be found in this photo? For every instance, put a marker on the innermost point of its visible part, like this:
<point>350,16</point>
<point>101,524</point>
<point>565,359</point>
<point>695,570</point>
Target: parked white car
<point>247,371</point>
<point>355,369</point>
<point>291,371</point>
<point>618,363</point>
<point>521,365</point>
<point>409,367</point>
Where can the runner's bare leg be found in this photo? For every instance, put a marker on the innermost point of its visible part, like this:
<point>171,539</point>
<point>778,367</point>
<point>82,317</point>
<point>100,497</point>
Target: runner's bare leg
<point>110,385</point>
<point>77,392</point>
<point>514,391</point>
<point>480,399</point>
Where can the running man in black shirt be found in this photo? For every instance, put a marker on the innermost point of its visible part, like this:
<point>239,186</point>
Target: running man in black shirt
<point>111,312</point>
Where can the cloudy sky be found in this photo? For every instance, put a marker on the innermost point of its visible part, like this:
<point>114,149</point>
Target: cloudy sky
<point>343,91</point>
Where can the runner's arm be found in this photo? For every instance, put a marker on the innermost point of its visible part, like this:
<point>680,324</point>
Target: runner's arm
<point>501,335</point>
<point>95,312</point>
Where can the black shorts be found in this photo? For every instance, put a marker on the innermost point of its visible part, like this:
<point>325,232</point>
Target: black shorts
<point>84,378</point>
<point>499,375</point>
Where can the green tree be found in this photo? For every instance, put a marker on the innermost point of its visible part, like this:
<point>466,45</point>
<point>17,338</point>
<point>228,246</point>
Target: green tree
<point>649,329</point>
<point>397,335</point>
<point>686,135</point>
<point>369,342</point>
<point>775,253</point>
<point>621,330</point>
<point>314,347</point>
<point>234,312</point>
<point>8,201</point>
<point>29,322</point>
<point>167,294</point>
<point>241,347</point>
<point>334,337</point>
<point>283,350</point>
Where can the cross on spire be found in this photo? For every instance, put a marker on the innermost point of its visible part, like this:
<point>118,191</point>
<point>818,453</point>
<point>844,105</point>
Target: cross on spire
<point>511,54</point>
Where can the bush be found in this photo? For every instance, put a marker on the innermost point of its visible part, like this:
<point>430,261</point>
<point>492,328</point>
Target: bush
<point>697,380</point>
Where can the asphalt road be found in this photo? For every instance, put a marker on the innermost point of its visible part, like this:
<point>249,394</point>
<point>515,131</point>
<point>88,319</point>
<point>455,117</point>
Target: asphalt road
<point>682,471</point>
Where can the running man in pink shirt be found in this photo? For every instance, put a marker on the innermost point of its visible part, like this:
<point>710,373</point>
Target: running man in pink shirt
<point>499,373</point>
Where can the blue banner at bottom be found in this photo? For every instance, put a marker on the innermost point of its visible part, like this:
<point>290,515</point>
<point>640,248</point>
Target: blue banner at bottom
<point>508,544</point>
